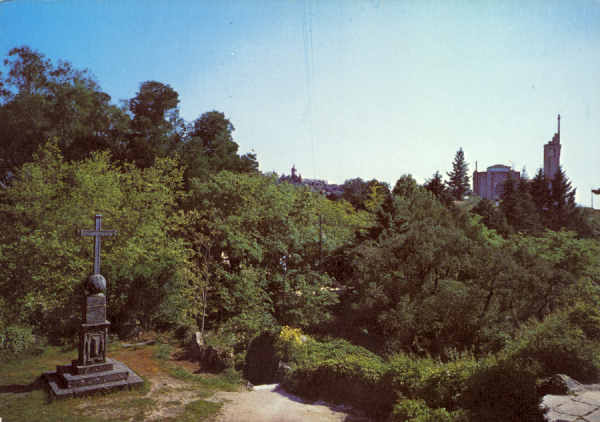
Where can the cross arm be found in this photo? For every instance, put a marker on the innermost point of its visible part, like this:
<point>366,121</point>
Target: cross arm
<point>98,233</point>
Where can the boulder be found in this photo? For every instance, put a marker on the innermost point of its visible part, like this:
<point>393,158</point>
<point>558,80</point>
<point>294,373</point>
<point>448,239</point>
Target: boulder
<point>560,384</point>
<point>209,357</point>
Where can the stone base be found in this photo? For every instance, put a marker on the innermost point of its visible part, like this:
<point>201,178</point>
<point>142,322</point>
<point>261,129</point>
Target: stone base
<point>76,380</point>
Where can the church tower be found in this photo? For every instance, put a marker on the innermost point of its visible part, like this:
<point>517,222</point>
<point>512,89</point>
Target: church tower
<point>552,155</point>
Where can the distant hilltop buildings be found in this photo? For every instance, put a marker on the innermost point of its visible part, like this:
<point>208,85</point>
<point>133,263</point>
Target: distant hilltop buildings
<point>315,185</point>
<point>490,184</point>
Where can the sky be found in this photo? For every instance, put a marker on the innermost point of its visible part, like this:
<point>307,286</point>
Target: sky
<point>351,88</point>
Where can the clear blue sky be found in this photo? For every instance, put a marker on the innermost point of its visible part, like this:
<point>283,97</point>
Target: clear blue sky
<point>344,89</point>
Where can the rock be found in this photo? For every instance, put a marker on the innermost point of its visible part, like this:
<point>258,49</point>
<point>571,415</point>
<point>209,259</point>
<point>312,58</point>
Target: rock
<point>209,357</point>
<point>283,370</point>
<point>560,384</point>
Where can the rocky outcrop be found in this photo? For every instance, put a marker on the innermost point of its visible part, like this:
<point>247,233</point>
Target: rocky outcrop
<point>209,357</point>
<point>567,400</point>
<point>560,384</point>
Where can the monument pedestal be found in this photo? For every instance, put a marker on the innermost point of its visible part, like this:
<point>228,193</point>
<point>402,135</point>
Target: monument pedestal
<point>92,372</point>
<point>75,380</point>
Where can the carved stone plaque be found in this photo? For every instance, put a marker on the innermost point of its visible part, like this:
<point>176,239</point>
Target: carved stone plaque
<point>95,309</point>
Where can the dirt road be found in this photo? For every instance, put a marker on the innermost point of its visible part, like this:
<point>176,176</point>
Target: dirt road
<point>270,403</point>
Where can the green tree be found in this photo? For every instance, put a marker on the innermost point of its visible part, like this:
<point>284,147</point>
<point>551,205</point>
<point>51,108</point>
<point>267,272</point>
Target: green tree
<point>492,216</point>
<point>436,186</point>
<point>562,206</point>
<point>156,125</point>
<point>540,194</point>
<point>279,233</point>
<point>43,260</point>
<point>41,100</point>
<point>458,183</point>
<point>209,148</point>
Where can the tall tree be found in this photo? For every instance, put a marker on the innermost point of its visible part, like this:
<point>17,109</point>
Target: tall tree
<point>156,124</point>
<point>518,207</point>
<point>459,176</point>
<point>540,194</point>
<point>562,207</point>
<point>42,258</point>
<point>209,148</point>
<point>40,100</point>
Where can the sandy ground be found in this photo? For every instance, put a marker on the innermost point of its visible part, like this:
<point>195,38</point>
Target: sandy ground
<point>270,403</point>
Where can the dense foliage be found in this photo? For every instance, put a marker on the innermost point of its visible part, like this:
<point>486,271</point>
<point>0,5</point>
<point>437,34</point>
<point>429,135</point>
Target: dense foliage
<point>415,306</point>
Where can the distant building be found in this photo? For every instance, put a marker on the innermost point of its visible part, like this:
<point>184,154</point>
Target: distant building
<point>316,185</point>
<point>552,155</point>
<point>490,184</point>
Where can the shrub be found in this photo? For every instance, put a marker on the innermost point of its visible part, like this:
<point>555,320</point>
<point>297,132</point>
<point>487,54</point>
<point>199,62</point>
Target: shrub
<point>290,344</point>
<point>560,344</point>
<point>341,372</point>
<point>261,359</point>
<point>503,392</point>
<point>439,384</point>
<point>417,411</point>
<point>15,340</point>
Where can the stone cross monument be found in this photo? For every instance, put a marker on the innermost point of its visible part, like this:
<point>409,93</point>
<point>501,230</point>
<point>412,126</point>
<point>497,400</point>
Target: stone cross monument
<point>92,371</point>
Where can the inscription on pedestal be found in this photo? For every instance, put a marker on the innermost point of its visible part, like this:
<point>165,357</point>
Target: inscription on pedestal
<point>95,309</point>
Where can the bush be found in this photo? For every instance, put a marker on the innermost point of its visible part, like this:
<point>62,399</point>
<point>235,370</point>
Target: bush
<point>261,359</point>
<point>341,372</point>
<point>503,392</point>
<point>439,384</point>
<point>560,344</point>
<point>16,340</point>
<point>418,411</point>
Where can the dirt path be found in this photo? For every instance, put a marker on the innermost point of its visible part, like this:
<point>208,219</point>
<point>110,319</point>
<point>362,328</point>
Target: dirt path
<point>272,404</point>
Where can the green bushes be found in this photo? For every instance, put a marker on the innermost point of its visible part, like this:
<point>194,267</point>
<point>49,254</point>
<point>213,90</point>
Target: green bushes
<point>418,411</point>
<point>409,388</point>
<point>503,392</point>
<point>261,359</point>
<point>440,385</point>
<point>15,340</point>
<point>335,370</point>
<point>565,342</point>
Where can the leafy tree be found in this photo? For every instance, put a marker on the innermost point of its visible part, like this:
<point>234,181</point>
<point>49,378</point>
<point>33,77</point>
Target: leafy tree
<point>41,100</point>
<point>209,148</point>
<point>492,216</point>
<point>529,218</point>
<point>409,263</point>
<point>156,126</point>
<point>459,176</point>
<point>272,231</point>
<point>44,261</point>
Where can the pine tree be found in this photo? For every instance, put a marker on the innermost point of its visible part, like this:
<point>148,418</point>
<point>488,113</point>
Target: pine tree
<point>540,194</point>
<point>509,203</point>
<point>562,207</point>
<point>528,220</point>
<point>459,176</point>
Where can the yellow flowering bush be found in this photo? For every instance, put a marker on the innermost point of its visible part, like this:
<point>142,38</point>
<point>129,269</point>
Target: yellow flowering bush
<point>289,342</point>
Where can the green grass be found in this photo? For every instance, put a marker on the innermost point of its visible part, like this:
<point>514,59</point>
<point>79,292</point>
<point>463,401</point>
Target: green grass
<point>23,398</point>
<point>228,380</point>
<point>197,411</point>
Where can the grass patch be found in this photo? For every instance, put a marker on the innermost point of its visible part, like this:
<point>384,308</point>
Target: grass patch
<point>228,380</point>
<point>197,411</point>
<point>23,398</point>
<point>163,352</point>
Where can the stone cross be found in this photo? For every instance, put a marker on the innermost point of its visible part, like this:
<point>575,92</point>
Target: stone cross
<point>97,233</point>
